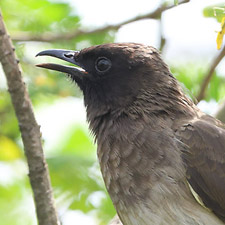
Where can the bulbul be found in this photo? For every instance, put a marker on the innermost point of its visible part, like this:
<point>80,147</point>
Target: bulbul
<point>155,147</point>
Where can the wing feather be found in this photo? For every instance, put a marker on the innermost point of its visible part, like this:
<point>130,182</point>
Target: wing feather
<point>205,161</point>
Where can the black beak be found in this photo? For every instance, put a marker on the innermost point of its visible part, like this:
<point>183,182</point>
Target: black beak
<point>66,55</point>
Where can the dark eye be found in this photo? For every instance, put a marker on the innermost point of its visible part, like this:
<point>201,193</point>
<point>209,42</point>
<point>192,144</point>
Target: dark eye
<point>102,64</point>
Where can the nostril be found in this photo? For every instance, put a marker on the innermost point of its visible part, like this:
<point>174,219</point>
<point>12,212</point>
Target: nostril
<point>69,55</point>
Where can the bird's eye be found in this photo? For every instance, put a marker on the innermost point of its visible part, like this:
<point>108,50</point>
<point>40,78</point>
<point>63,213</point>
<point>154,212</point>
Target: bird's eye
<point>102,64</point>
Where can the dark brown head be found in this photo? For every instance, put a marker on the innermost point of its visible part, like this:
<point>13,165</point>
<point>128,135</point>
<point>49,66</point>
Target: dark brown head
<point>113,74</point>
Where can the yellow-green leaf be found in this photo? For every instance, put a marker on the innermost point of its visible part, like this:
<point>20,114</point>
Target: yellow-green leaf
<point>220,35</point>
<point>8,149</point>
<point>215,11</point>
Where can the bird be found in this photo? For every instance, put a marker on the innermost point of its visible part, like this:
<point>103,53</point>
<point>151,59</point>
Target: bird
<point>162,159</point>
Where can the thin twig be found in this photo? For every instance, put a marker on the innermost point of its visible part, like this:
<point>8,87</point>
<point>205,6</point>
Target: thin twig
<point>210,73</point>
<point>31,136</point>
<point>51,37</point>
<point>162,39</point>
<point>220,113</point>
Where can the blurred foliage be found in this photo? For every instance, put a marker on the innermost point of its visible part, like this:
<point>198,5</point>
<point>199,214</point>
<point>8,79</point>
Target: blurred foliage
<point>38,16</point>
<point>176,2</point>
<point>13,151</point>
<point>73,167</point>
<point>217,12</point>
<point>191,75</point>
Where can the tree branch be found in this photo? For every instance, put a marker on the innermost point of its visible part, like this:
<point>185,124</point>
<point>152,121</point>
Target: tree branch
<point>38,170</point>
<point>115,221</point>
<point>209,75</point>
<point>161,36</point>
<point>51,37</point>
<point>220,114</point>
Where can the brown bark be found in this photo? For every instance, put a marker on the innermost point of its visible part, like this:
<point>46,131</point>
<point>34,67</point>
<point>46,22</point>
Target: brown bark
<point>220,114</point>
<point>31,136</point>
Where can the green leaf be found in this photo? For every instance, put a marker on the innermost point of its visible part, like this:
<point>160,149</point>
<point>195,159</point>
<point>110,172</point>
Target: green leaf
<point>73,175</point>
<point>8,122</point>
<point>176,2</point>
<point>191,76</point>
<point>14,202</point>
<point>78,142</point>
<point>106,210</point>
<point>216,11</point>
<point>216,88</point>
<point>37,16</point>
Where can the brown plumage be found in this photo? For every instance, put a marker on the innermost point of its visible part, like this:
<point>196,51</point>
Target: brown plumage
<point>154,144</point>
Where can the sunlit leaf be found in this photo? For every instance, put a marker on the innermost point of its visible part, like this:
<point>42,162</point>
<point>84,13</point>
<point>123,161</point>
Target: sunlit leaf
<point>220,34</point>
<point>175,2</point>
<point>8,149</point>
<point>215,11</point>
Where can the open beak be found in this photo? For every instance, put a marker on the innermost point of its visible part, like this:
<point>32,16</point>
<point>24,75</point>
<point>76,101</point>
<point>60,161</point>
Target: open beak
<point>66,55</point>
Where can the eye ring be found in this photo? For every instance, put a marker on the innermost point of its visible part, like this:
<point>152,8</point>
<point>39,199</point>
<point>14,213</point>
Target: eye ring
<point>102,64</point>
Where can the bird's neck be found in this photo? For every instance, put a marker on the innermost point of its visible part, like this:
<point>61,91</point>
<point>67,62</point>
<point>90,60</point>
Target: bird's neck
<point>167,102</point>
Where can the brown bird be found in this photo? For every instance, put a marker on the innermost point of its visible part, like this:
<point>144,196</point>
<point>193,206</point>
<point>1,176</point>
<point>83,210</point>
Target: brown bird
<point>155,147</point>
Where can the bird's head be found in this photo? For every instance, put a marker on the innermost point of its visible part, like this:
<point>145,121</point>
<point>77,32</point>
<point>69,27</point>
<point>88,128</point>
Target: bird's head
<point>113,74</point>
